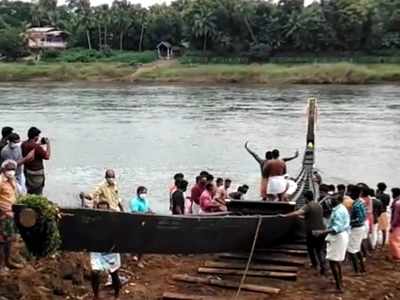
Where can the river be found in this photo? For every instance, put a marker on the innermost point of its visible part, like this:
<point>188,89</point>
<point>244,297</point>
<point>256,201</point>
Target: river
<point>148,133</point>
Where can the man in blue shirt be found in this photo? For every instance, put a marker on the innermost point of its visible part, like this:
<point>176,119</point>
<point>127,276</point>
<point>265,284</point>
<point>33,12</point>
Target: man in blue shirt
<point>337,239</point>
<point>139,203</point>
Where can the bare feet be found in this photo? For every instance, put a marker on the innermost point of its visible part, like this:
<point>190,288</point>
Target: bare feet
<point>140,265</point>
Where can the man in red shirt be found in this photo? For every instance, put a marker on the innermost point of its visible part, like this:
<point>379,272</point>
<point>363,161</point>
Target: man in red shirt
<point>196,192</point>
<point>34,169</point>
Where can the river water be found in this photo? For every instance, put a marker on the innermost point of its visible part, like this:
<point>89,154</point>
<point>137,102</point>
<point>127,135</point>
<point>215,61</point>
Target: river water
<point>148,133</point>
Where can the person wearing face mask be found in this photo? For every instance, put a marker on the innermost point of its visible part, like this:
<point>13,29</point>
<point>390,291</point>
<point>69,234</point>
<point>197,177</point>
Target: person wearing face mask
<point>8,195</point>
<point>140,203</point>
<point>107,191</point>
<point>34,169</point>
<point>13,151</point>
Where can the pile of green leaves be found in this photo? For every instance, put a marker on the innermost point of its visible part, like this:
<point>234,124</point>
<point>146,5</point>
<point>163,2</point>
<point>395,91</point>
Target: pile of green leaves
<point>43,238</point>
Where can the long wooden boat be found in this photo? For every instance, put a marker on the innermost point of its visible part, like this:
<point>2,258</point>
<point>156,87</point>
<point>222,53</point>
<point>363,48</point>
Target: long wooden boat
<point>304,179</point>
<point>104,231</point>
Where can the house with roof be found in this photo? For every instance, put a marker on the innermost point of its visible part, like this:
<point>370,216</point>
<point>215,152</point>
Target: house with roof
<point>46,38</point>
<point>166,50</point>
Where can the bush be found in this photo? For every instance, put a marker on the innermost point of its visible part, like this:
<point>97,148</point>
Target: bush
<point>50,55</point>
<point>108,55</point>
<point>200,57</point>
<point>259,53</point>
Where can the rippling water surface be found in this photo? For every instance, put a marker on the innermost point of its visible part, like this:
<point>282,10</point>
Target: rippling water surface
<point>148,133</point>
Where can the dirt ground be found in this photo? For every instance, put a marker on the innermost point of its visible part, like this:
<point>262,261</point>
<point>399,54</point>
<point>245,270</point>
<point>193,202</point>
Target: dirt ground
<point>66,276</point>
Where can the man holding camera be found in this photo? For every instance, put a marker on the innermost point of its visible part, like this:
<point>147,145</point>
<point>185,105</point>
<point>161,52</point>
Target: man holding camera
<point>34,169</point>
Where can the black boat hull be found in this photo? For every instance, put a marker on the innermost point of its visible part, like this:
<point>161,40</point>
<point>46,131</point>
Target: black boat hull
<point>259,207</point>
<point>104,231</point>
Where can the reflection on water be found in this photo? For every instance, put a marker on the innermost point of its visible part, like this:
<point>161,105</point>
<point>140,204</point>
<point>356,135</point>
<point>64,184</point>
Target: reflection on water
<point>147,133</point>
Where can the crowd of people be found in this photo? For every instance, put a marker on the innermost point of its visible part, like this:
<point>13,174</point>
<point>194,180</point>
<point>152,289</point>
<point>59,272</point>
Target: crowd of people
<point>346,222</point>
<point>349,222</point>
<point>22,171</point>
<point>206,196</point>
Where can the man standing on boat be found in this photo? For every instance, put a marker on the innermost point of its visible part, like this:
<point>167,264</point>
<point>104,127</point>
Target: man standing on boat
<point>274,171</point>
<point>34,169</point>
<point>107,191</point>
<point>262,163</point>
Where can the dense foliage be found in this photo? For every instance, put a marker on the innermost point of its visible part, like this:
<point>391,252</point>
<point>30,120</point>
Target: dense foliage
<point>43,238</point>
<point>252,28</point>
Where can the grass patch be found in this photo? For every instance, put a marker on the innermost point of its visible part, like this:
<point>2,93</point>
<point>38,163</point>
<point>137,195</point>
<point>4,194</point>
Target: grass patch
<point>64,71</point>
<point>340,73</point>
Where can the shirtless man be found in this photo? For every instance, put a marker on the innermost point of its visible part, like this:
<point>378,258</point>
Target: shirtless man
<point>262,163</point>
<point>274,171</point>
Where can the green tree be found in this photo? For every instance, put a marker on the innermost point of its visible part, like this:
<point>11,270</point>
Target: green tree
<point>81,18</point>
<point>201,20</point>
<point>121,20</point>
<point>11,42</point>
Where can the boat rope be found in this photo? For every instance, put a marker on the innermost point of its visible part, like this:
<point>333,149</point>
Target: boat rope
<point>253,247</point>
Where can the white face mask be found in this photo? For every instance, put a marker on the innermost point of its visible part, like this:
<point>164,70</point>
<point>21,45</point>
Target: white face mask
<point>14,145</point>
<point>111,181</point>
<point>142,196</point>
<point>10,174</point>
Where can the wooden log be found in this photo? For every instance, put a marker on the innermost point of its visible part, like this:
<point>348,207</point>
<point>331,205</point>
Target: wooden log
<point>273,259</point>
<point>251,273</point>
<point>291,246</point>
<point>241,266</point>
<point>179,296</point>
<point>283,251</point>
<point>226,284</point>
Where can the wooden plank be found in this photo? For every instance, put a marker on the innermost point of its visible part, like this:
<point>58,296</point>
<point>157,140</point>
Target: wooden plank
<point>283,251</point>
<point>251,273</point>
<point>291,247</point>
<point>179,296</point>
<point>241,266</point>
<point>226,284</point>
<point>272,259</point>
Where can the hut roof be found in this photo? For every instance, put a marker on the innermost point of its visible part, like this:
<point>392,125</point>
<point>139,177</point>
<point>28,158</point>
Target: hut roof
<point>165,44</point>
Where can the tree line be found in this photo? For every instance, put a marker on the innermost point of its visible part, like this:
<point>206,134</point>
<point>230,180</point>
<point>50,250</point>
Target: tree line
<point>224,27</point>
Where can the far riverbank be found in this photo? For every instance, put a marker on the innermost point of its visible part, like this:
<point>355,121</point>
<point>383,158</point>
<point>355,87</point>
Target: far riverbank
<point>171,72</point>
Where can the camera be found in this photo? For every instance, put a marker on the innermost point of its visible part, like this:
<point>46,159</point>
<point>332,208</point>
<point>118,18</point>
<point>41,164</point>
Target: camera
<point>43,141</point>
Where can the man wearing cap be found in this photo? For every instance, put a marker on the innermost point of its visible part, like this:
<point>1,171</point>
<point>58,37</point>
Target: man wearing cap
<point>34,169</point>
<point>8,192</point>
